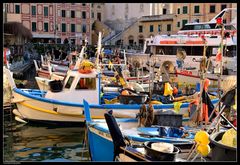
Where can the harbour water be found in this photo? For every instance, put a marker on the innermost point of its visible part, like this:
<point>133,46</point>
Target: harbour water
<point>43,143</point>
<point>39,142</point>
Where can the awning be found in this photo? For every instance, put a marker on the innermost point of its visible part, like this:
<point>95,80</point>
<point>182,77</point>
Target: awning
<point>45,36</point>
<point>17,28</point>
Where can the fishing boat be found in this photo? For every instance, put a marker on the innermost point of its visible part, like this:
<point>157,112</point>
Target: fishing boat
<point>47,72</point>
<point>64,102</point>
<point>100,132</point>
<point>126,140</point>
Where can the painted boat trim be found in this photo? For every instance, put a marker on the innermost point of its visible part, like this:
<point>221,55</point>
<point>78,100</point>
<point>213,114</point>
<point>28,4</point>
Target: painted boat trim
<point>54,112</point>
<point>103,106</point>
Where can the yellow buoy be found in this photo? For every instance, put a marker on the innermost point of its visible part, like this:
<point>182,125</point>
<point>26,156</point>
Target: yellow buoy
<point>202,137</point>
<point>203,149</point>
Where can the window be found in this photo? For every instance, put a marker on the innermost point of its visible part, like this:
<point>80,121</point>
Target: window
<point>178,24</point>
<point>86,83</point>
<point>164,11</point>
<point>63,13</point>
<point>83,15</point>
<point>130,42</point>
<point>169,27</point>
<point>33,10</point>
<point>72,27</point>
<point>224,21</point>
<point>99,16</point>
<point>63,27</point>
<point>126,7</point>
<point>212,9</point>
<point>151,28</point>
<point>84,28</point>
<point>72,14</point>
<point>206,26</point>
<point>17,9</point>
<point>184,22</point>
<point>197,27</point>
<point>99,6</point>
<point>140,29</point>
<point>7,8</point>
<point>185,10</point>
<point>69,82</point>
<point>84,4</point>
<point>159,28</point>
<point>46,27</point>
<point>34,26</point>
<point>141,7</point>
<point>178,10</point>
<point>113,10</point>
<point>45,11</point>
<point>196,9</point>
<point>223,6</point>
<point>92,14</point>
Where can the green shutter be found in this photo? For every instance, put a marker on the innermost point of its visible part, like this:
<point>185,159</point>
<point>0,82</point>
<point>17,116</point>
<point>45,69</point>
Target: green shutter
<point>45,11</point>
<point>196,9</point>
<point>185,9</point>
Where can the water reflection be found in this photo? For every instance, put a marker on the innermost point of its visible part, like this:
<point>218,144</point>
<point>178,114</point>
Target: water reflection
<point>42,143</point>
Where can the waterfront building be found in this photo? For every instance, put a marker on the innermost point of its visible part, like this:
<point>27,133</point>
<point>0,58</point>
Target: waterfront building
<point>120,15</point>
<point>169,19</point>
<point>97,24</point>
<point>53,21</point>
<point>198,12</point>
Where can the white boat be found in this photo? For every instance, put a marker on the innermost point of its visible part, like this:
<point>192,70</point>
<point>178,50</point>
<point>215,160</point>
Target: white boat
<point>166,50</point>
<point>64,103</point>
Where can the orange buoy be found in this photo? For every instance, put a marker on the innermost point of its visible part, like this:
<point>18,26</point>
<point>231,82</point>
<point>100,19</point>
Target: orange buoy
<point>175,90</point>
<point>124,92</point>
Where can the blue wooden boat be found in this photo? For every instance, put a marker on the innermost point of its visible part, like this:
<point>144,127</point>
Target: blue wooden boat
<point>101,146</point>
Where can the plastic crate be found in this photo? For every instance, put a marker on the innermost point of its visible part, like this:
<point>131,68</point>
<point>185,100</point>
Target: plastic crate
<point>131,99</point>
<point>168,120</point>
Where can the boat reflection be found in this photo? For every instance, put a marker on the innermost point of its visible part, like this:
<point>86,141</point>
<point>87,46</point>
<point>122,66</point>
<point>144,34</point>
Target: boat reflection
<point>39,143</point>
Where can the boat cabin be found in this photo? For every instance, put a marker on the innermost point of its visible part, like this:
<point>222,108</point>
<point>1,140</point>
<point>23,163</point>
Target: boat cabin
<point>77,86</point>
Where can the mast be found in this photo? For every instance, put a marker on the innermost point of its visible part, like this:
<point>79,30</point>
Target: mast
<point>99,48</point>
<point>219,22</point>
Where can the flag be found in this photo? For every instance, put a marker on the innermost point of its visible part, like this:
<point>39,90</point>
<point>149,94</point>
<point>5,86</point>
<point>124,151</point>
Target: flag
<point>207,106</point>
<point>219,55</point>
<point>110,65</point>
<point>219,22</point>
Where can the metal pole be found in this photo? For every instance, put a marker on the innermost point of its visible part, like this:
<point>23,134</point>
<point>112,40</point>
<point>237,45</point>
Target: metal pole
<point>221,70</point>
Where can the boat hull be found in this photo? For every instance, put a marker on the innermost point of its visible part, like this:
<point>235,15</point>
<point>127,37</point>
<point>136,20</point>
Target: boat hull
<point>97,142</point>
<point>101,146</point>
<point>35,107</point>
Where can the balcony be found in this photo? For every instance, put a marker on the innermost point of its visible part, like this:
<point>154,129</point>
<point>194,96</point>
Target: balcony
<point>168,17</point>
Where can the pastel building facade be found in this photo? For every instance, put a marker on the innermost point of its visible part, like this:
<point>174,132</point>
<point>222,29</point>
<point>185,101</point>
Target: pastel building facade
<point>53,22</point>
